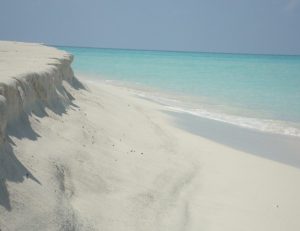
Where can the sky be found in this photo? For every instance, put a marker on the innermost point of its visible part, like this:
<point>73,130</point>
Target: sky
<point>230,26</point>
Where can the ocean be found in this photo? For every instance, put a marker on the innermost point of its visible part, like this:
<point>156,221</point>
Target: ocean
<point>260,92</point>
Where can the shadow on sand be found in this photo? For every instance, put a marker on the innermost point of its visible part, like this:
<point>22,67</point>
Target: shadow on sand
<point>11,169</point>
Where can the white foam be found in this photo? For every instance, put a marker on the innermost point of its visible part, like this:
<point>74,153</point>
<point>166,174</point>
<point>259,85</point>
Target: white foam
<point>263,125</point>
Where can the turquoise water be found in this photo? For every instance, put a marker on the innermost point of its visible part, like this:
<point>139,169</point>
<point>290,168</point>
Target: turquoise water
<point>256,91</point>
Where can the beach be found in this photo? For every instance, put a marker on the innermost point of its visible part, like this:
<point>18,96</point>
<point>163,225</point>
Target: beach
<point>87,155</point>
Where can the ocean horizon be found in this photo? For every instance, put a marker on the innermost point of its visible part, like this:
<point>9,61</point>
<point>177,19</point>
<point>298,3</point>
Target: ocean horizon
<point>260,92</point>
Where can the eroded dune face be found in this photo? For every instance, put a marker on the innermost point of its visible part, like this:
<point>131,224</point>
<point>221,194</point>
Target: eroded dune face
<point>31,77</point>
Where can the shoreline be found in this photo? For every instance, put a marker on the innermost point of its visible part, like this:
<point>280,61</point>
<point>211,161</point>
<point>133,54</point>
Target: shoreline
<point>175,102</point>
<point>113,161</point>
<point>276,147</point>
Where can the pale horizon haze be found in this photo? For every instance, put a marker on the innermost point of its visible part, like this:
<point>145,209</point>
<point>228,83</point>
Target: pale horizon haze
<point>232,26</point>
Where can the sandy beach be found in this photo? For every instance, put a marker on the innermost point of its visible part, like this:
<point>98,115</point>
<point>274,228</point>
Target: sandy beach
<point>83,155</point>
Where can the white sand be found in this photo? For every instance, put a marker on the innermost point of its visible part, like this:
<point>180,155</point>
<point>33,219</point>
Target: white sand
<point>112,161</point>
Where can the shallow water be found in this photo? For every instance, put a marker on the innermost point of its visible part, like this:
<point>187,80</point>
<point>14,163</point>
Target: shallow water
<point>255,91</point>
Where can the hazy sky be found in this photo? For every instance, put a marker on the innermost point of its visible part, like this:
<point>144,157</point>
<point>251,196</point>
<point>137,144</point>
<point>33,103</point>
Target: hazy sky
<point>243,26</point>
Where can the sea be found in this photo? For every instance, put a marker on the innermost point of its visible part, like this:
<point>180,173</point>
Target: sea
<point>259,92</point>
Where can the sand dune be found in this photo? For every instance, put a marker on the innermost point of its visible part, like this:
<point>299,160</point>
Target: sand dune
<point>99,158</point>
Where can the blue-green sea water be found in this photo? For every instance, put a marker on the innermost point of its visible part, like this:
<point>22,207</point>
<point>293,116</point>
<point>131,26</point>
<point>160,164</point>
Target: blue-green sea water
<point>254,91</point>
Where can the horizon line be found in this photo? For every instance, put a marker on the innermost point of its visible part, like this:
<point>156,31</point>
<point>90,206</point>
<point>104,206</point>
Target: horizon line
<point>179,51</point>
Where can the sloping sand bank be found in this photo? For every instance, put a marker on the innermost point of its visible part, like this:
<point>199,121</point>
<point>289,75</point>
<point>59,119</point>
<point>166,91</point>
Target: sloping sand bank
<point>107,160</point>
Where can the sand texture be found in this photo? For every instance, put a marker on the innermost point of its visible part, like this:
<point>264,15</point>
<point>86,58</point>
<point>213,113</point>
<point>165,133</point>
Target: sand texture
<point>93,156</point>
